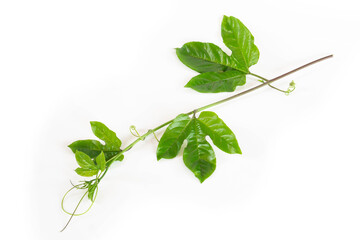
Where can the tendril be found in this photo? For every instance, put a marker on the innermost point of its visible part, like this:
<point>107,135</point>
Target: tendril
<point>132,129</point>
<point>291,88</point>
<point>156,137</point>
<point>135,133</point>
<point>77,214</point>
<point>78,186</point>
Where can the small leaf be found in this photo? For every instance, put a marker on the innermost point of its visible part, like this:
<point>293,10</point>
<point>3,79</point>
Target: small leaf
<point>214,82</point>
<point>241,42</point>
<point>86,172</point>
<point>85,161</point>
<point>112,142</point>
<point>100,161</point>
<point>92,188</point>
<point>199,156</point>
<point>219,132</point>
<point>204,57</point>
<point>174,136</point>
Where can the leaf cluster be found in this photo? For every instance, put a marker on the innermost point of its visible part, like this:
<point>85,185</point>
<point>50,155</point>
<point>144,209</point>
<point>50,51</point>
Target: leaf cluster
<point>220,72</point>
<point>93,157</point>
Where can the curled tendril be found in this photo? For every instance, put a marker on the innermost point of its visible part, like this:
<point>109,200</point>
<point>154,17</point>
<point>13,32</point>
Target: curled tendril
<point>132,129</point>
<point>291,88</point>
<point>135,133</point>
<point>156,137</point>
<point>79,186</point>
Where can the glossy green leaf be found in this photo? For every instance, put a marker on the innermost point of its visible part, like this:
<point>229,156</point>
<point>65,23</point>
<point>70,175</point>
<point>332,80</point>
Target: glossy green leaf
<point>85,161</point>
<point>92,148</point>
<point>241,42</point>
<point>219,132</point>
<point>86,172</point>
<point>100,161</point>
<point>204,57</point>
<point>174,136</point>
<point>199,156</point>
<point>214,82</point>
<point>92,189</point>
<point>112,142</point>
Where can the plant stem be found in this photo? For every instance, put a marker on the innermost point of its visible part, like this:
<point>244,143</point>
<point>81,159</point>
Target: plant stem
<point>261,85</point>
<point>267,82</point>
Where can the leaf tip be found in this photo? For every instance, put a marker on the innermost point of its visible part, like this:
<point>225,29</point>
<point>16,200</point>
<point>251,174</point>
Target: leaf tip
<point>71,146</point>
<point>238,150</point>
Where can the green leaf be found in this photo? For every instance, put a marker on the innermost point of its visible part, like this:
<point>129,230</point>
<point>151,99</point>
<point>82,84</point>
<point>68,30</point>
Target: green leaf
<point>85,161</point>
<point>220,134</point>
<point>199,156</point>
<point>92,148</point>
<point>112,142</point>
<point>92,188</point>
<point>174,136</point>
<point>100,161</point>
<point>214,82</point>
<point>86,172</point>
<point>204,57</point>
<point>241,42</point>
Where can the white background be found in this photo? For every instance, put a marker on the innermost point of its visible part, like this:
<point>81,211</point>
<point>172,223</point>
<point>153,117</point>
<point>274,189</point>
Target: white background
<point>65,63</point>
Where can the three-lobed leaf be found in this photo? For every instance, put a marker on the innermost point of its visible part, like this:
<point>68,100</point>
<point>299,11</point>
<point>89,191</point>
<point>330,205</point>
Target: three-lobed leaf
<point>240,41</point>
<point>198,155</point>
<point>214,82</point>
<point>214,64</point>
